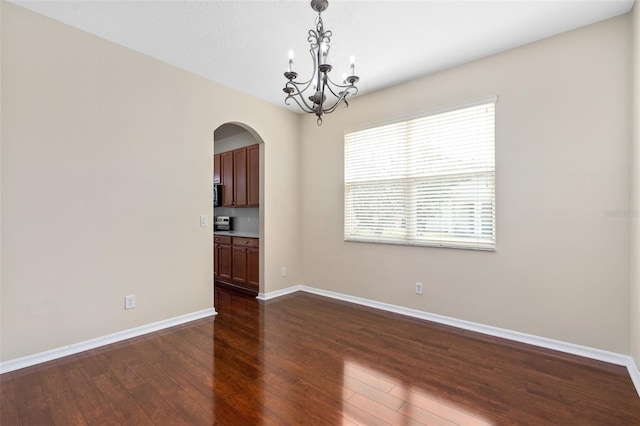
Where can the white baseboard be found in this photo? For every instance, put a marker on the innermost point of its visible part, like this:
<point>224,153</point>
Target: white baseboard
<point>29,360</point>
<point>278,293</point>
<point>634,372</point>
<point>571,348</point>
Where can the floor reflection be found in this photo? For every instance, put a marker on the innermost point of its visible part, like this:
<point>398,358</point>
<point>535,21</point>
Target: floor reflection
<point>386,398</point>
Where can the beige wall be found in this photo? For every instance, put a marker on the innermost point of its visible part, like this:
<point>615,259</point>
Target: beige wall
<point>106,168</point>
<point>561,269</point>
<point>635,193</point>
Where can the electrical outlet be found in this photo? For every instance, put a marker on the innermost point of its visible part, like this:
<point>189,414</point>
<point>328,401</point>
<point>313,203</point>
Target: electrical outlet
<point>283,271</point>
<point>130,302</point>
<point>418,288</point>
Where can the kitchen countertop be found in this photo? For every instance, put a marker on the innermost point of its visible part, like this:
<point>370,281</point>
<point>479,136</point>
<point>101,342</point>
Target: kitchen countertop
<point>245,234</point>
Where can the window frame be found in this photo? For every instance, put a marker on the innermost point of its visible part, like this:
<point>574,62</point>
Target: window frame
<point>483,235</point>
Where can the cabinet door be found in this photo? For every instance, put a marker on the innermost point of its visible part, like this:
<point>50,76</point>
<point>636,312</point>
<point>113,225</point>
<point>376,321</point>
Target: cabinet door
<point>226,177</point>
<point>253,176</point>
<point>240,177</point>
<point>239,273</point>
<point>253,268</point>
<point>216,259</point>
<point>216,169</point>
<point>224,262</point>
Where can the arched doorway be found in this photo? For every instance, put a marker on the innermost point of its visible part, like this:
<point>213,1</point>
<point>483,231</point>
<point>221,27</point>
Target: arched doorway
<point>238,216</point>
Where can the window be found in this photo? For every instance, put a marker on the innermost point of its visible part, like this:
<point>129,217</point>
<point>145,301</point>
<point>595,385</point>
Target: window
<point>426,181</point>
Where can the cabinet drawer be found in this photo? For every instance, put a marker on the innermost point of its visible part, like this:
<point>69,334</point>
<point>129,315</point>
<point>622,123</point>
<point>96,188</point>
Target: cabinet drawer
<point>246,242</point>
<point>220,239</point>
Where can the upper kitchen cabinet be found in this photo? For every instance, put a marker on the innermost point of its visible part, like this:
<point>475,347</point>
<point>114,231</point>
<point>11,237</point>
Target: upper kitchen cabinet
<point>226,178</point>
<point>239,174</point>
<point>253,176</point>
<point>240,177</point>
<point>216,169</point>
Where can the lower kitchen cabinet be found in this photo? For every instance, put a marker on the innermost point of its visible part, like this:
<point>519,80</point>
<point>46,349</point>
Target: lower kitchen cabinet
<point>236,263</point>
<point>253,268</point>
<point>222,251</point>
<point>239,271</point>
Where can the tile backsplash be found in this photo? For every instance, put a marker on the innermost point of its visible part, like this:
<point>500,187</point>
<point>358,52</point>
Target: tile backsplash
<point>244,219</point>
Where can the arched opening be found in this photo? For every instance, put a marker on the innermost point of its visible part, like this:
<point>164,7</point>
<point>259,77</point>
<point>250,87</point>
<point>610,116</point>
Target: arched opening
<point>238,180</point>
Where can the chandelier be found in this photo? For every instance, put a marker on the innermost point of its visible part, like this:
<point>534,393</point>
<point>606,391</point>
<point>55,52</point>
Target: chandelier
<point>311,95</point>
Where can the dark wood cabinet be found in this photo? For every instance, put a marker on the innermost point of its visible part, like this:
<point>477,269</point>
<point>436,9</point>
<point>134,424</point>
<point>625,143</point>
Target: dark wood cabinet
<point>240,177</point>
<point>239,271</point>
<point>225,261</point>
<point>253,176</point>
<point>236,263</point>
<point>253,268</point>
<point>246,271</point>
<point>226,178</point>
<point>216,169</point>
<point>222,257</point>
<point>239,173</point>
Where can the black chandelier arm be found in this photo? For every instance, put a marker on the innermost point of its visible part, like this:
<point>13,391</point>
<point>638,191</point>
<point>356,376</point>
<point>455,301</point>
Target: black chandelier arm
<point>304,84</point>
<point>341,98</point>
<point>349,90</point>
<point>318,109</point>
<point>344,86</point>
<point>298,85</point>
<point>298,94</point>
<point>336,105</point>
<point>304,108</point>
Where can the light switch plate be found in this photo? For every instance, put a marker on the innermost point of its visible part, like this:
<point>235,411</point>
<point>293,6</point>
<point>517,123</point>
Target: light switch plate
<point>204,220</point>
<point>130,301</point>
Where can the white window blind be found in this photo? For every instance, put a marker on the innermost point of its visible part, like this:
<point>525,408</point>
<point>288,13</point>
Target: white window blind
<point>425,181</point>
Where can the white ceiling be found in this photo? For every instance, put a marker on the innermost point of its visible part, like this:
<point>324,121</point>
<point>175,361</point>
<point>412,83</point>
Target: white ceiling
<point>244,44</point>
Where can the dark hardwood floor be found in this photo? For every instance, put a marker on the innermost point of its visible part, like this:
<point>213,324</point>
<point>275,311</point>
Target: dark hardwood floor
<point>305,359</point>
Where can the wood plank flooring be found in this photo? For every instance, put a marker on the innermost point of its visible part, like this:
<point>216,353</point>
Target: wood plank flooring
<point>305,359</point>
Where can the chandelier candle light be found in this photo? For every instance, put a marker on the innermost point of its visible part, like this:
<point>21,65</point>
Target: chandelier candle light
<point>319,82</point>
